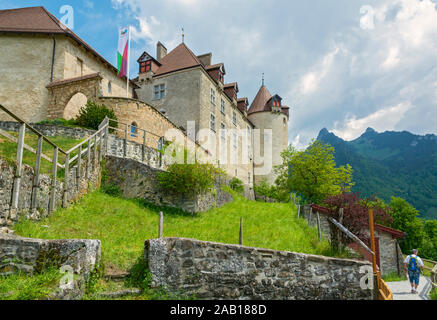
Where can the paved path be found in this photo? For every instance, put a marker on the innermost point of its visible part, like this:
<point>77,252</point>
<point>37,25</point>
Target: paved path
<point>402,290</point>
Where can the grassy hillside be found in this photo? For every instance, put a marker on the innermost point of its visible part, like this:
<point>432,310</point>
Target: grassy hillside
<point>123,226</point>
<point>8,150</point>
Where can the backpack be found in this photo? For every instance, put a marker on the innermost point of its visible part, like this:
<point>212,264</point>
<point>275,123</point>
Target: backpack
<point>412,266</point>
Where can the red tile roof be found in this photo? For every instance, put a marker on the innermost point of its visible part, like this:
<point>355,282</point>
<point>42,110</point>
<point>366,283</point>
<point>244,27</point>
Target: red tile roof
<point>395,233</point>
<point>39,20</point>
<point>178,59</point>
<point>260,101</point>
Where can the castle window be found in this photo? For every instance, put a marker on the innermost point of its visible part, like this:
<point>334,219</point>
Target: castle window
<point>133,129</point>
<point>159,91</point>
<point>222,106</point>
<point>145,66</point>
<point>234,118</point>
<point>212,122</point>
<point>223,132</point>
<point>212,96</point>
<point>79,70</point>
<point>109,87</point>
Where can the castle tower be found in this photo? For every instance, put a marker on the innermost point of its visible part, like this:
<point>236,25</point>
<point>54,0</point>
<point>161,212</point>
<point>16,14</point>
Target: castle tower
<point>267,112</point>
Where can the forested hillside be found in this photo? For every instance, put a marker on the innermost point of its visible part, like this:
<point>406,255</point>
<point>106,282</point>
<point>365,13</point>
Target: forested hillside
<point>389,164</point>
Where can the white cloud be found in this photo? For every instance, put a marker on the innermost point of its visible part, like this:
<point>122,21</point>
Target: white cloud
<point>310,82</point>
<point>381,120</point>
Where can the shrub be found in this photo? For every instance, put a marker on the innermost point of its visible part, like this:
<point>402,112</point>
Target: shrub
<point>236,185</point>
<point>60,122</point>
<point>272,192</point>
<point>189,179</point>
<point>92,115</point>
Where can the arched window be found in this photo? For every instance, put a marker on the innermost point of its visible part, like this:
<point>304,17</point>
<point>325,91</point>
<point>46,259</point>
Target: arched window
<point>109,87</point>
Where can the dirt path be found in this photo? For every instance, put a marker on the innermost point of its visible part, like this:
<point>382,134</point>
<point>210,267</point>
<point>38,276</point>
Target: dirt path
<point>402,290</point>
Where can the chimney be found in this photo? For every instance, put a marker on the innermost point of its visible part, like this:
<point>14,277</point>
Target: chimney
<point>161,51</point>
<point>206,59</point>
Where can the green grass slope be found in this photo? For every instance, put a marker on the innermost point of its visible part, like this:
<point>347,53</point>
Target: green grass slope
<point>123,226</point>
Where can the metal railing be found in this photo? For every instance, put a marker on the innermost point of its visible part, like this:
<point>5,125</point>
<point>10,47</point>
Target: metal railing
<point>92,142</point>
<point>135,134</point>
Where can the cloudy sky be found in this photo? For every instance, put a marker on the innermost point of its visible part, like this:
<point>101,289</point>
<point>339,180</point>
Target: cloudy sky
<point>341,64</point>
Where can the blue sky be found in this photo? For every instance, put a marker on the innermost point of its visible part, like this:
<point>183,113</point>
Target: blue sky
<point>340,64</point>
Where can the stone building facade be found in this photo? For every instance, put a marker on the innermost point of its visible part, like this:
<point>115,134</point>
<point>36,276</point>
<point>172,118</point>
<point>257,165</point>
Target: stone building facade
<point>49,71</point>
<point>188,91</point>
<point>192,93</point>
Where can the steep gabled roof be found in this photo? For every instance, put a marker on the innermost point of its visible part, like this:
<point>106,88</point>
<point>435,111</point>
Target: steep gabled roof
<point>146,56</point>
<point>260,101</point>
<point>39,20</point>
<point>32,19</point>
<point>178,59</point>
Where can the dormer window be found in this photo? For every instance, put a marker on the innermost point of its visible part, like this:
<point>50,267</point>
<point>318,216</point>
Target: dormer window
<point>145,66</point>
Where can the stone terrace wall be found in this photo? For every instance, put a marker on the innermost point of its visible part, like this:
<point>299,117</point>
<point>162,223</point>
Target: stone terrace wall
<point>138,180</point>
<point>50,130</point>
<point>218,271</point>
<point>77,189</point>
<point>80,257</point>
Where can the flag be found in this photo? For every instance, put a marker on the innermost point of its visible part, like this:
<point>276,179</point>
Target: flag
<point>122,53</point>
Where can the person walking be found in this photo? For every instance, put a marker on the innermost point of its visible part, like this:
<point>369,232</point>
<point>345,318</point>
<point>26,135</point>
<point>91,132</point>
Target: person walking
<point>412,265</point>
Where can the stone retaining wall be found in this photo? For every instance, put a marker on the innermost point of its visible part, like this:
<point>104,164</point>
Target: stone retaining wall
<point>34,256</point>
<point>138,180</point>
<point>219,271</point>
<point>77,189</point>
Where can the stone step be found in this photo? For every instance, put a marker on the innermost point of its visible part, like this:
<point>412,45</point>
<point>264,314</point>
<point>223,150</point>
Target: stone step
<point>121,293</point>
<point>116,276</point>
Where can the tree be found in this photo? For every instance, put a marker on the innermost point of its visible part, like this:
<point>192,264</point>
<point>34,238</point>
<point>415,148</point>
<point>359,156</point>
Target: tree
<point>405,218</point>
<point>355,217</point>
<point>313,172</point>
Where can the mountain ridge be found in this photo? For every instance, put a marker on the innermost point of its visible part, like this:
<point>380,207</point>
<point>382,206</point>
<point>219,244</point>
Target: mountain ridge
<point>391,163</point>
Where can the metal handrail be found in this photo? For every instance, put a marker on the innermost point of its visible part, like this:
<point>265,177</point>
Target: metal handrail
<point>98,136</point>
<point>39,134</point>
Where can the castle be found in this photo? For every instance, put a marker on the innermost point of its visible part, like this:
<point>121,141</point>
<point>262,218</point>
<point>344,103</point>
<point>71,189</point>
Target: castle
<point>176,89</point>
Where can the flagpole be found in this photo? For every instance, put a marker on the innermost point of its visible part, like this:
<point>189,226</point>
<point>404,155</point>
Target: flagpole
<point>128,66</point>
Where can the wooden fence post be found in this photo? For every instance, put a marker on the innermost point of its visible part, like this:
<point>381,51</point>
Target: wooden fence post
<point>161,225</point>
<point>298,212</point>
<point>340,220</point>
<point>17,179</point>
<point>37,171</point>
<point>126,135</point>
<point>241,232</point>
<point>310,217</point>
<point>66,181</point>
<point>318,226</point>
<point>52,200</point>
<point>79,167</point>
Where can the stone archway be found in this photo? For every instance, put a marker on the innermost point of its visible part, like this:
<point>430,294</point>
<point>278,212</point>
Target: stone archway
<point>73,106</point>
<point>62,92</point>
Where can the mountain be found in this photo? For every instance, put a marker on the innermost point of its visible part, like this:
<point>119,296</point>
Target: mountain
<point>389,164</point>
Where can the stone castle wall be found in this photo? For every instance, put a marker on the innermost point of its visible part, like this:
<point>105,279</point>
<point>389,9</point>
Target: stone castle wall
<point>219,271</point>
<point>139,181</point>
